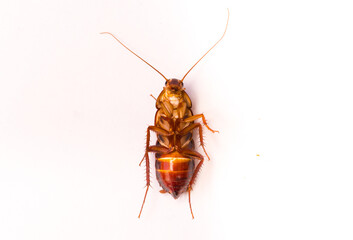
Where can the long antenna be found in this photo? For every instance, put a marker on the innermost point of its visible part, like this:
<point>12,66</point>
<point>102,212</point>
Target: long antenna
<point>209,49</point>
<point>135,54</point>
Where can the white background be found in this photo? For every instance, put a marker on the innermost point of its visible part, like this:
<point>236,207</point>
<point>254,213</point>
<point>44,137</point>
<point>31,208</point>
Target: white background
<point>75,105</point>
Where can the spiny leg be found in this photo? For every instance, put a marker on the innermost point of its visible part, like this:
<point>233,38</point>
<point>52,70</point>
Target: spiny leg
<point>190,128</point>
<point>158,149</point>
<point>154,148</point>
<point>147,182</point>
<point>158,130</point>
<point>192,214</point>
<point>197,116</point>
<point>148,148</point>
<point>197,155</point>
<point>144,199</point>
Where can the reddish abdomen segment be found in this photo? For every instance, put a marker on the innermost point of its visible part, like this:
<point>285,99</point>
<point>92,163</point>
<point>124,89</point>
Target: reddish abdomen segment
<point>174,172</point>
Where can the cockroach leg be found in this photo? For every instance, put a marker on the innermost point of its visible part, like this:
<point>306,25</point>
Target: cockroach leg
<point>167,108</point>
<point>192,214</point>
<point>163,191</point>
<point>190,128</point>
<point>158,130</point>
<point>144,199</point>
<point>181,109</point>
<point>197,169</point>
<point>153,97</point>
<point>154,149</point>
<point>197,155</point>
<point>197,116</point>
<point>147,181</point>
<point>142,159</point>
<point>158,149</point>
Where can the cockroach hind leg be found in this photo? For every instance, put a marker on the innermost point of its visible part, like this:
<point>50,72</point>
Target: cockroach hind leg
<point>192,214</point>
<point>144,199</point>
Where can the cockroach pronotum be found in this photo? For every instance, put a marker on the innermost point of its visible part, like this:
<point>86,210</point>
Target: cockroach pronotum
<point>174,123</point>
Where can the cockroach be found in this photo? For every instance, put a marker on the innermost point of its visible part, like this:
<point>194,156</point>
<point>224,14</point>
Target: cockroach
<point>174,123</point>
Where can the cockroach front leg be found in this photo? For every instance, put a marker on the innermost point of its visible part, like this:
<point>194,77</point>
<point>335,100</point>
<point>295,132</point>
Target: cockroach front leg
<point>192,127</point>
<point>151,149</point>
<point>197,116</point>
<point>153,97</point>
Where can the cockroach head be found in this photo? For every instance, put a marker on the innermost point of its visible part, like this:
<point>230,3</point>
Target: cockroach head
<point>174,84</point>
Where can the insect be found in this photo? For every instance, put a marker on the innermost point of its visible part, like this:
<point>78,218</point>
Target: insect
<point>177,163</point>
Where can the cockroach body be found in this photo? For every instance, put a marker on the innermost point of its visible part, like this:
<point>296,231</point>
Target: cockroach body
<point>177,163</point>
<point>175,154</point>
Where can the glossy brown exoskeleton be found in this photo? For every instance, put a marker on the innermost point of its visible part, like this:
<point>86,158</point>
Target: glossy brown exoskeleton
<point>177,162</point>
